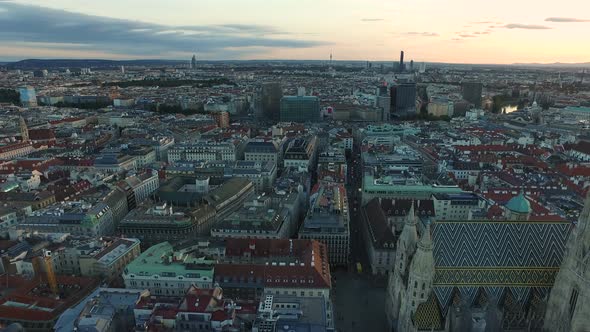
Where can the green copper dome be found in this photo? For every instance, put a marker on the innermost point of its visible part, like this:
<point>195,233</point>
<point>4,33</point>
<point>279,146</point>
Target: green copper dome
<point>519,204</point>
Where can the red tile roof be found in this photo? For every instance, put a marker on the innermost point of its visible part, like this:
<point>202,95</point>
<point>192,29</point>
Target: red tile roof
<point>30,292</point>
<point>574,170</point>
<point>315,272</point>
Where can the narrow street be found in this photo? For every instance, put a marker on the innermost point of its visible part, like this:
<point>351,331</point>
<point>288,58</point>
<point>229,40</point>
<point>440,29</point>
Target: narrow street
<point>359,298</point>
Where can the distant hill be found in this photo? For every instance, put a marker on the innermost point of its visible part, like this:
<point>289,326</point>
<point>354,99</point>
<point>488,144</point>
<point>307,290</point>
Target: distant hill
<point>86,63</point>
<point>556,65</point>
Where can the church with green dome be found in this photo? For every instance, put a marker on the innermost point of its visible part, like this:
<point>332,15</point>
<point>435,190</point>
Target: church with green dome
<point>519,208</point>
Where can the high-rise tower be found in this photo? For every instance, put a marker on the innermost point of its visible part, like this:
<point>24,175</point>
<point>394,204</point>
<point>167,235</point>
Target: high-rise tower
<point>194,62</point>
<point>401,61</point>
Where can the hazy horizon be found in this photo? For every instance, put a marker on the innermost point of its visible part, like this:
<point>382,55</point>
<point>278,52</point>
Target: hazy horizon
<point>455,31</point>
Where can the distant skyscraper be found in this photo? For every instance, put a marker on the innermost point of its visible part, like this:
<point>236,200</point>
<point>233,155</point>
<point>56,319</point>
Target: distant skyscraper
<point>383,101</point>
<point>194,62</point>
<point>271,100</point>
<point>300,109</point>
<point>123,70</point>
<point>411,65</point>
<point>28,97</point>
<point>403,99</point>
<point>422,67</point>
<point>301,91</point>
<point>472,92</point>
<point>401,61</point>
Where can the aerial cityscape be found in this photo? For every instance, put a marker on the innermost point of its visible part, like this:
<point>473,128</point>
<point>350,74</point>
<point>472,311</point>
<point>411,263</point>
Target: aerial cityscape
<point>247,174</point>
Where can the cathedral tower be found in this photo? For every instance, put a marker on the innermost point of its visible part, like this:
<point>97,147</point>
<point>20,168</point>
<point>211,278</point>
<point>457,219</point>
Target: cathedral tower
<point>568,308</point>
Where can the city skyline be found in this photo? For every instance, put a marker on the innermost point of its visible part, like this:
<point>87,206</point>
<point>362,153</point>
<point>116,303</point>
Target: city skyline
<point>453,32</point>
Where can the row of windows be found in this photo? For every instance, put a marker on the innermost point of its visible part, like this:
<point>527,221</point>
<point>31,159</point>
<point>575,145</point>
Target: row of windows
<point>292,292</point>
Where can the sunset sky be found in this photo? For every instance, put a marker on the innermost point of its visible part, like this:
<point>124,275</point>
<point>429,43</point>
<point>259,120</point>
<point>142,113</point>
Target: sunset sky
<point>459,31</point>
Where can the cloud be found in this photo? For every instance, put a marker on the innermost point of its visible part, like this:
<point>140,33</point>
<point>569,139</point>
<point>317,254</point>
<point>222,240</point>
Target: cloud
<point>422,34</point>
<point>481,33</point>
<point>565,19</point>
<point>467,36</point>
<point>526,26</point>
<point>371,19</point>
<point>33,25</point>
<point>482,22</point>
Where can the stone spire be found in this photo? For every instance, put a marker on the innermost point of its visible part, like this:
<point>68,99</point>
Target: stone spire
<point>409,235</point>
<point>419,282</point>
<point>568,307</point>
<point>422,266</point>
<point>24,130</point>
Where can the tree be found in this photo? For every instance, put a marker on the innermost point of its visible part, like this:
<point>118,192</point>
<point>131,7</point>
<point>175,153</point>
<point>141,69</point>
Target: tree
<point>9,96</point>
<point>497,103</point>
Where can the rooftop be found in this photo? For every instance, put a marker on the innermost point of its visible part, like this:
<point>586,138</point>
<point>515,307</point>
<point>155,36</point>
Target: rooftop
<point>328,208</point>
<point>161,260</point>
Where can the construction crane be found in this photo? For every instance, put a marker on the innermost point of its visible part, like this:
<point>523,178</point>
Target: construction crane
<point>50,274</point>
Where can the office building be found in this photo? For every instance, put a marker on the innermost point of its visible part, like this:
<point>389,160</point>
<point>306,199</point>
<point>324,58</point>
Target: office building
<point>199,310</point>
<point>152,224</point>
<point>143,185</point>
<point>401,61</point>
<point>105,310</point>
<point>104,258</point>
<point>299,314</point>
<point>28,97</point>
<point>271,100</point>
<point>301,153</point>
<point>262,151</point>
<point>300,109</point>
<point>332,166</point>
<point>441,107</point>
<point>255,267</point>
<point>328,221</point>
<point>456,206</point>
<point>202,151</point>
<point>257,219</point>
<point>472,92</point>
<point>115,162</point>
<point>403,99</point>
<point>261,173</point>
<point>75,217</point>
<point>166,272</point>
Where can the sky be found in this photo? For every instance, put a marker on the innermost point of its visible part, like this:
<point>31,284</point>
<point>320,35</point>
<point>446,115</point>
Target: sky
<point>453,31</point>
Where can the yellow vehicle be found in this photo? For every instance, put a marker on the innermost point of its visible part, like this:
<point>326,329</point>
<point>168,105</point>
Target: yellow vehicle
<point>359,268</point>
